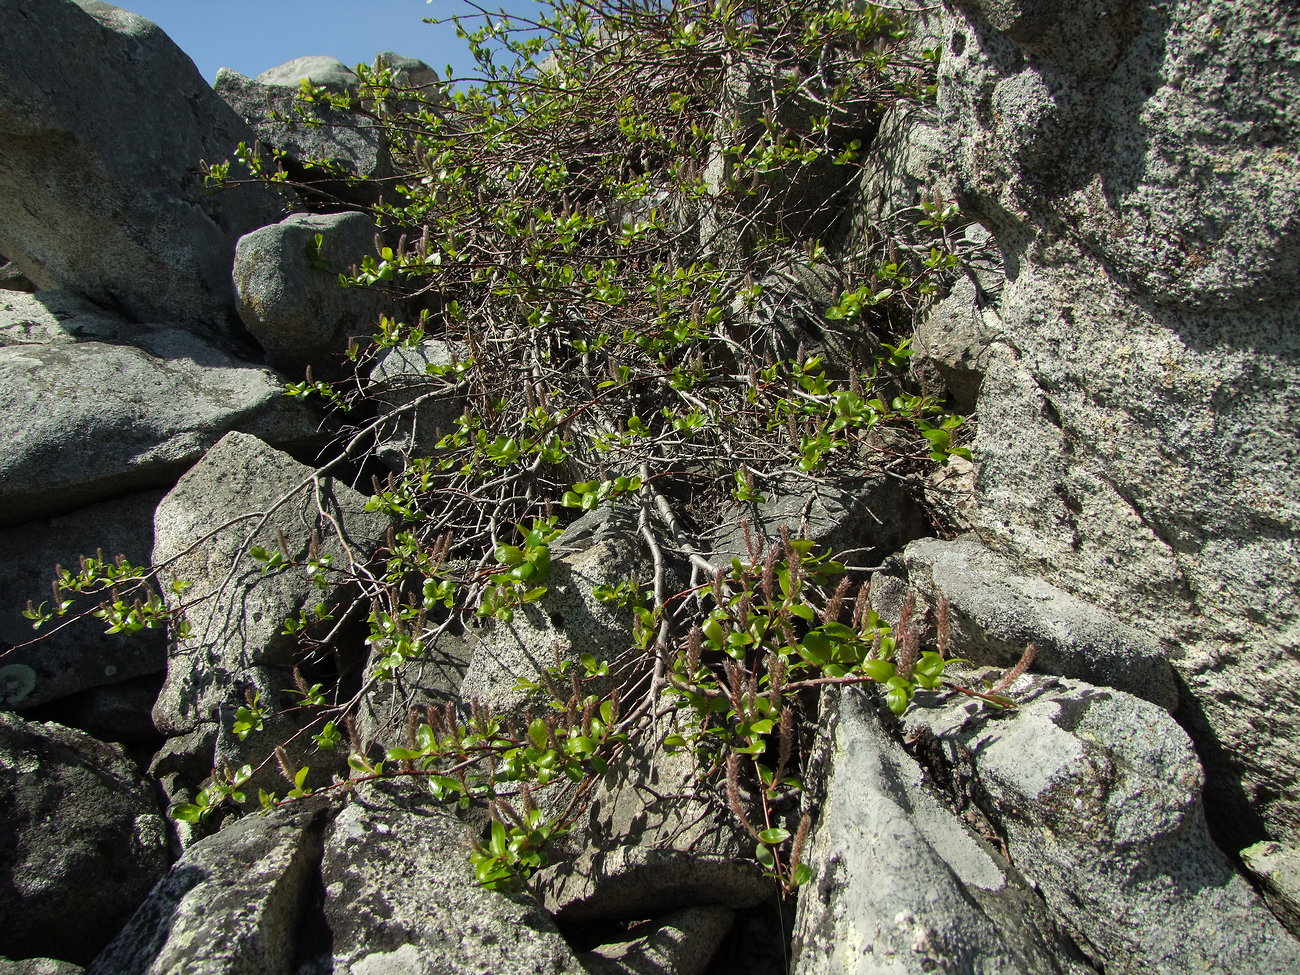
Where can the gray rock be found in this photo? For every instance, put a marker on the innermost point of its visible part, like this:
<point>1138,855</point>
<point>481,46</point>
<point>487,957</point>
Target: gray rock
<point>1154,136</point>
<point>81,840</point>
<point>868,515</point>
<point>556,630</point>
<point>92,408</point>
<point>81,655</point>
<point>1098,796</point>
<point>901,884</point>
<point>954,335</point>
<point>316,68</point>
<point>432,680</point>
<point>1278,870</point>
<point>297,311</point>
<point>398,380</point>
<point>321,143</point>
<point>681,943</point>
<point>57,316</point>
<point>1137,410</point>
<point>408,71</point>
<point>653,841</point>
<point>244,493</point>
<point>400,896</point>
<point>100,189</point>
<point>233,903</point>
<point>995,612</point>
<point>39,966</point>
<point>13,279</point>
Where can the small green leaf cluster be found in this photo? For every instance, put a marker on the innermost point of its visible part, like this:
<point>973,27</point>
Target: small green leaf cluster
<point>776,633</point>
<point>224,790</point>
<point>590,495</point>
<point>128,602</point>
<point>523,569</point>
<point>250,717</point>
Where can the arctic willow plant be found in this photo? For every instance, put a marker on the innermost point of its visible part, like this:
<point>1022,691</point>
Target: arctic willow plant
<point>630,235</point>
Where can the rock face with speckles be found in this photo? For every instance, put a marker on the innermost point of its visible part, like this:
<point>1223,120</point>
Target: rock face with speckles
<point>566,623</point>
<point>395,906</point>
<point>81,840</point>
<point>233,903</point>
<point>1098,795</point>
<point>903,884</point>
<point>995,611</point>
<point>1138,369</point>
<point>237,647</point>
<point>94,407</point>
<point>289,294</point>
<point>100,186</point>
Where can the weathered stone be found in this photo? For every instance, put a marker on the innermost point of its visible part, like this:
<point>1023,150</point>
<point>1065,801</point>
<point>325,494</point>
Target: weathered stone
<point>398,380</point>
<point>81,840</point>
<point>1278,870</point>
<point>1138,403</point>
<point>995,612</point>
<point>296,309</point>
<point>80,655</point>
<point>567,622</point>
<point>93,408</point>
<point>1155,136</point>
<point>868,515</point>
<point>347,143</point>
<point>681,943</point>
<point>39,966</point>
<point>315,68</point>
<point>900,883</point>
<point>241,494</point>
<point>1098,796</point>
<point>954,334</point>
<point>653,841</point>
<point>100,189</point>
<point>400,896</point>
<point>432,680</point>
<point>409,72</point>
<point>232,903</point>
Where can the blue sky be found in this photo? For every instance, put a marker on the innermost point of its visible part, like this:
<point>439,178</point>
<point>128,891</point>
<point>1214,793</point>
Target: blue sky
<point>253,35</point>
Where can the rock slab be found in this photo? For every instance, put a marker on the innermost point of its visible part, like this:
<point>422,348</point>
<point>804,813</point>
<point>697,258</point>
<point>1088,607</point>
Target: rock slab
<point>100,188</point>
<point>1098,795</point>
<point>81,840</point>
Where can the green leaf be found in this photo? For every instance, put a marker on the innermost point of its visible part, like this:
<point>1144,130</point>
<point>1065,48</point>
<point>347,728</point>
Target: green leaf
<point>538,733</point>
<point>815,648</point>
<point>765,856</point>
<point>878,670</point>
<point>498,845</point>
<point>190,813</point>
<point>508,554</point>
<point>774,835</point>
<point>802,874</point>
